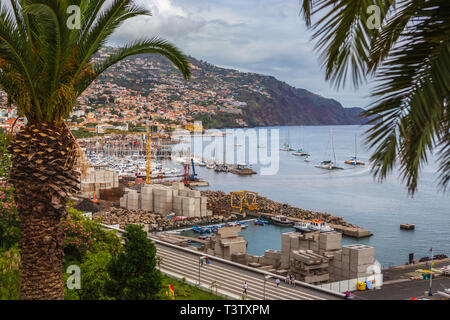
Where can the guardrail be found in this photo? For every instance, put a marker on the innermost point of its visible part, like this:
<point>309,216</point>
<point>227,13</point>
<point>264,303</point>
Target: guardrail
<point>238,265</point>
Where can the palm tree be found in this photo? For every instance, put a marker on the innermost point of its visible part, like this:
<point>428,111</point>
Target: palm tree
<point>44,66</point>
<point>404,46</point>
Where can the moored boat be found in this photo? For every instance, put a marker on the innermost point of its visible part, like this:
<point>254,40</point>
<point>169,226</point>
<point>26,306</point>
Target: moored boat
<point>281,220</point>
<point>313,225</point>
<point>259,222</point>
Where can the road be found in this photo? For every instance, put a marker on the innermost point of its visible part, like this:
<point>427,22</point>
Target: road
<point>230,279</point>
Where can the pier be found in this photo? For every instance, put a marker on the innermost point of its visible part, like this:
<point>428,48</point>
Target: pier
<point>352,232</point>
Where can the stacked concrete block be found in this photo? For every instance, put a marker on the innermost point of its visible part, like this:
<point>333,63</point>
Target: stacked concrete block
<point>116,180</point>
<point>309,266</point>
<point>361,257</point>
<point>227,242</point>
<point>203,206</point>
<point>285,249</point>
<point>183,193</point>
<point>188,205</point>
<point>147,198</point>
<point>272,257</point>
<point>162,199</point>
<point>330,241</point>
<point>194,193</point>
<point>133,200</point>
<point>177,205</point>
<point>178,185</point>
<point>124,201</point>
<point>352,262</point>
<point>239,257</point>
<point>165,200</point>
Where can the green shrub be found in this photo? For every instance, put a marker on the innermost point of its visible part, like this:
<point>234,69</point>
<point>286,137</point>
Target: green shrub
<point>133,273</point>
<point>10,274</point>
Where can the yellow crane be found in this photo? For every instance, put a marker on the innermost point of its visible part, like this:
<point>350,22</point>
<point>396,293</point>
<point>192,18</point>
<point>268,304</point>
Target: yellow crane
<point>241,199</point>
<point>149,155</point>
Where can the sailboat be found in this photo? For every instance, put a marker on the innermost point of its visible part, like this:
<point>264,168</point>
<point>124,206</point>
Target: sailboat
<point>300,152</point>
<point>354,160</point>
<point>286,146</point>
<point>329,164</point>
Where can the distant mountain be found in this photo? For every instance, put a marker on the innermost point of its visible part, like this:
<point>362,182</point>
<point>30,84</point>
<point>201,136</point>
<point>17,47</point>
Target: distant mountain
<point>292,106</point>
<point>232,98</point>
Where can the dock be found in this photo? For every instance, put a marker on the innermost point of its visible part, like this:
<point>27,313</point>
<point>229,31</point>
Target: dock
<point>352,232</point>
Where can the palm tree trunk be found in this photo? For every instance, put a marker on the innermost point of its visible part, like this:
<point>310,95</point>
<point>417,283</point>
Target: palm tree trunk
<point>43,174</point>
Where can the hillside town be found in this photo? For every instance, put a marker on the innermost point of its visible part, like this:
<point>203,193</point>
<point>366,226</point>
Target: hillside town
<point>136,90</point>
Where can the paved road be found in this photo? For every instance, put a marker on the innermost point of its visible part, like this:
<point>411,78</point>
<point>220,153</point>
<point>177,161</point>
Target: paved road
<point>230,279</point>
<point>405,290</point>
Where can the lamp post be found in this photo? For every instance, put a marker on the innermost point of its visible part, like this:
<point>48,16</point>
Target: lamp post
<point>265,280</point>
<point>431,273</point>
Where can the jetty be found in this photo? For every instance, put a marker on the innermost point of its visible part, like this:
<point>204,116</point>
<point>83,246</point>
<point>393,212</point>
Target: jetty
<point>352,232</point>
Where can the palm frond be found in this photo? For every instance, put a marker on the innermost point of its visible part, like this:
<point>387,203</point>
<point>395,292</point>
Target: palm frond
<point>343,36</point>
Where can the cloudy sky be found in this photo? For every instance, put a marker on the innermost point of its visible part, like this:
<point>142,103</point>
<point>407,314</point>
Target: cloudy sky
<point>262,36</point>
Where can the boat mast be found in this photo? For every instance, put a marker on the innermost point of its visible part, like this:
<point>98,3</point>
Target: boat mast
<point>332,147</point>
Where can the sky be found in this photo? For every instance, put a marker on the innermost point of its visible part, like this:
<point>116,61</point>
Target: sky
<point>261,36</point>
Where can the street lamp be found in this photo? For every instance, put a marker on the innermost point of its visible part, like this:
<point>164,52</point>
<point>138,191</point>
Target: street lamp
<point>266,278</point>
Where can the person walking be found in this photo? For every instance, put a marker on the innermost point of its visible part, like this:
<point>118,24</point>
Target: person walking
<point>293,280</point>
<point>245,287</point>
<point>288,278</point>
<point>277,282</point>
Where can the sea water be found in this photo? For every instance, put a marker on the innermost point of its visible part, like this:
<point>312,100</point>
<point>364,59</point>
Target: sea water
<point>351,193</point>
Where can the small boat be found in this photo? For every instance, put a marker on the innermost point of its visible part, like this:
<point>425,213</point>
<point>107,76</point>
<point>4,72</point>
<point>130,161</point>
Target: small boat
<point>200,230</point>
<point>281,220</point>
<point>259,222</point>
<point>307,159</point>
<point>328,165</point>
<point>314,225</point>
<point>287,147</point>
<point>354,160</point>
<point>242,224</point>
<point>207,238</point>
<point>301,153</point>
<point>210,165</point>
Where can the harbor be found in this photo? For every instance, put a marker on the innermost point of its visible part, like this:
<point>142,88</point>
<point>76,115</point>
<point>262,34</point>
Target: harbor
<point>348,195</point>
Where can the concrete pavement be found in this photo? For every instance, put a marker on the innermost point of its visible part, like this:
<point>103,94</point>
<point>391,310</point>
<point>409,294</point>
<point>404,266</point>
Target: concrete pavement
<point>230,279</point>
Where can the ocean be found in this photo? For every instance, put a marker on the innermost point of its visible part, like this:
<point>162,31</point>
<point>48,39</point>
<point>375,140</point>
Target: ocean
<point>351,193</point>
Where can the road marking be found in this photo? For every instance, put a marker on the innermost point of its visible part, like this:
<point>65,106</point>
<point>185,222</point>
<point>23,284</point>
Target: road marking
<point>240,275</point>
<point>287,292</point>
<point>208,275</point>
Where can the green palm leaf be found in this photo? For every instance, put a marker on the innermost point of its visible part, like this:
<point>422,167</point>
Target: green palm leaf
<point>409,58</point>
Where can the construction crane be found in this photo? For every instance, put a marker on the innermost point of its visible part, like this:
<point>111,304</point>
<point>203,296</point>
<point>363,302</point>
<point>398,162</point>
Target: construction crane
<point>243,199</point>
<point>149,155</point>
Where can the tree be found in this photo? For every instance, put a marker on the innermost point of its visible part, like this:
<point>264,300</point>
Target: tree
<point>94,276</point>
<point>133,273</point>
<point>404,45</point>
<point>46,62</point>
<point>9,218</point>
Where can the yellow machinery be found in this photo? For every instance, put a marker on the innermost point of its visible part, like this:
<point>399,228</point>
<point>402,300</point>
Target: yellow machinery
<point>243,199</point>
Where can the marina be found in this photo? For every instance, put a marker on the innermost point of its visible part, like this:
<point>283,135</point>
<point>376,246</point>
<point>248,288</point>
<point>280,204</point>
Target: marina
<point>349,192</point>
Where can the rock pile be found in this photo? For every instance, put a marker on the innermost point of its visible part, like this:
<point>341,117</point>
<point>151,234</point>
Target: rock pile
<point>156,222</point>
<point>219,203</point>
